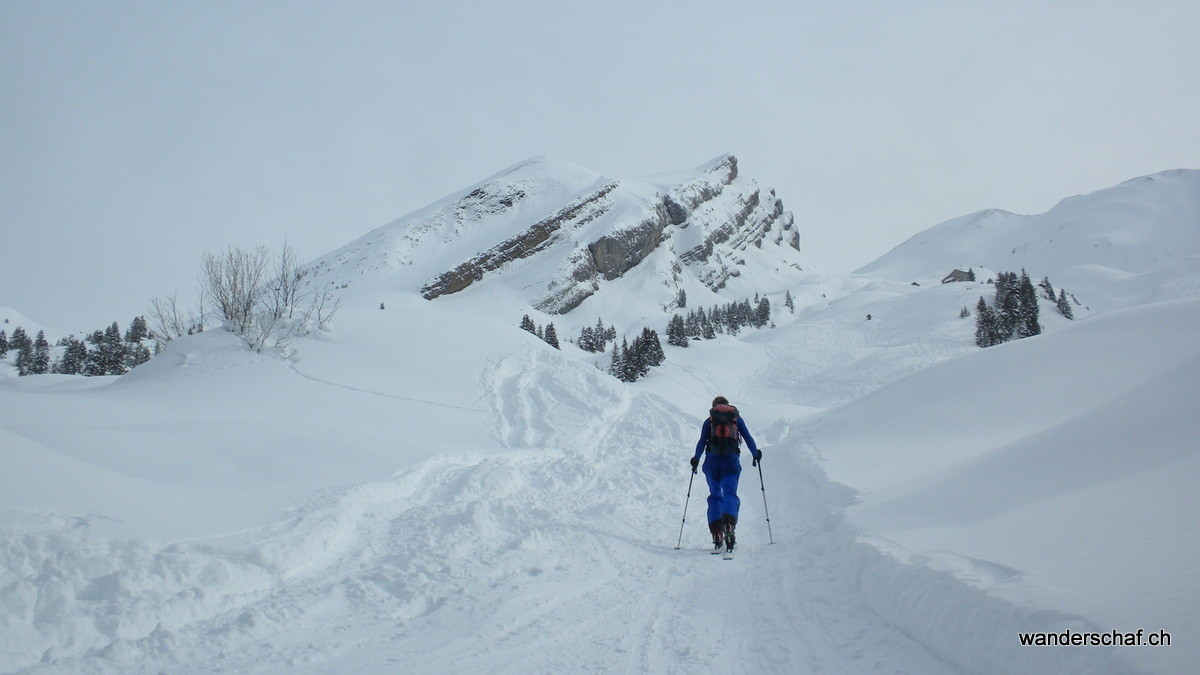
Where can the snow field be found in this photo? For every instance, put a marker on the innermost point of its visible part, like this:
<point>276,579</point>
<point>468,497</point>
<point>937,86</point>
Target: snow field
<point>1072,468</point>
<point>428,487</point>
<point>532,524</point>
<point>535,556</point>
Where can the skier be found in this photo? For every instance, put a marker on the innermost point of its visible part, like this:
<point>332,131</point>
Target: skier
<point>720,437</point>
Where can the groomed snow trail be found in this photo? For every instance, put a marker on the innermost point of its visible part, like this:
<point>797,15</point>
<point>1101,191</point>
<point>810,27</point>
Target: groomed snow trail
<point>553,555</point>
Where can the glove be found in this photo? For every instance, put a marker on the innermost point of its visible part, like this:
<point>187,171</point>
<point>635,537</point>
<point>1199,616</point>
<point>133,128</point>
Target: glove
<point>695,463</point>
<point>757,459</point>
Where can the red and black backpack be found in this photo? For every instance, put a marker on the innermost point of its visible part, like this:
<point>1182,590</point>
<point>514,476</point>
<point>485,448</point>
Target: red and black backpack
<point>724,438</point>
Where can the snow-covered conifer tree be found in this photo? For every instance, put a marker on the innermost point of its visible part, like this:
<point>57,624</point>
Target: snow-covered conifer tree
<point>692,325</point>
<point>634,365</point>
<point>551,336</point>
<point>1064,305</point>
<point>986,325</point>
<point>1047,288</point>
<point>24,360</point>
<point>138,330</point>
<point>676,332</point>
<point>113,352</point>
<point>600,336</point>
<point>19,339</point>
<point>40,365</point>
<point>3,344</point>
<point>73,358</point>
<point>616,366</point>
<point>136,356</point>
<point>1027,301</point>
<point>93,365</point>
<point>528,325</point>
<point>1008,310</point>
<point>789,302</point>
<point>652,347</point>
<point>762,313</point>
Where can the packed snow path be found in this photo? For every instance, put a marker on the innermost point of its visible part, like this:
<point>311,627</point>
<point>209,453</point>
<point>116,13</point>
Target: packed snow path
<point>554,555</point>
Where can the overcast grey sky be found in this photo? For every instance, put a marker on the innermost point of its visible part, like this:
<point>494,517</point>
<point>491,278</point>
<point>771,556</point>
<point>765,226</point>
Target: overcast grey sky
<point>135,136</point>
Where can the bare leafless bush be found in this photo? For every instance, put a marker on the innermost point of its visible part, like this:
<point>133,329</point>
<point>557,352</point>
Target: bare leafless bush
<point>235,283</point>
<point>168,321</point>
<point>265,299</point>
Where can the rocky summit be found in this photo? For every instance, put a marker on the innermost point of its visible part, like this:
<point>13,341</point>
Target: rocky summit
<point>559,233</point>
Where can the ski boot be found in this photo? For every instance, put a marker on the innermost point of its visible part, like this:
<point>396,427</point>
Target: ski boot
<point>718,536</point>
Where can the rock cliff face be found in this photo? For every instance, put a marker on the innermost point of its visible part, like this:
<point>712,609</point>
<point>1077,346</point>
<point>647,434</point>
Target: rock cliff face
<point>527,243</point>
<point>560,233</point>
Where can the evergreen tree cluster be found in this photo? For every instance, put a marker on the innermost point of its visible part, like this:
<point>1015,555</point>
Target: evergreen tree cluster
<point>595,339</point>
<point>1014,314</point>
<point>632,360</point>
<point>110,352</point>
<point>549,334</point>
<point>729,318</point>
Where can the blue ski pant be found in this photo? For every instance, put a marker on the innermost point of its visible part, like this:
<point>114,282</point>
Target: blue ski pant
<point>722,472</point>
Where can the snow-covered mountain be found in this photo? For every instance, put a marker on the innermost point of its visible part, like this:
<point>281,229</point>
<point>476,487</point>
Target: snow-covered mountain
<point>427,487</point>
<point>11,319</point>
<point>1132,243</point>
<point>559,233</point>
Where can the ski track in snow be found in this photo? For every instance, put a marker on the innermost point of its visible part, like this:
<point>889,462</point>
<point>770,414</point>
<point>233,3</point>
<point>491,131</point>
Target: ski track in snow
<point>292,367</point>
<point>554,555</point>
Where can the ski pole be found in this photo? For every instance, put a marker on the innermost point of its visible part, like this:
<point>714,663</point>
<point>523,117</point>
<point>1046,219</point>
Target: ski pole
<point>685,505</point>
<point>764,493</point>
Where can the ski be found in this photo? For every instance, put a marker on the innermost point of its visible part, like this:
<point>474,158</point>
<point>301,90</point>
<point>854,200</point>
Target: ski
<point>728,554</point>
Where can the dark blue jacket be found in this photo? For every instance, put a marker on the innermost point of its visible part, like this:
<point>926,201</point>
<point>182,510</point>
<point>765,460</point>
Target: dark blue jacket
<point>706,431</point>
